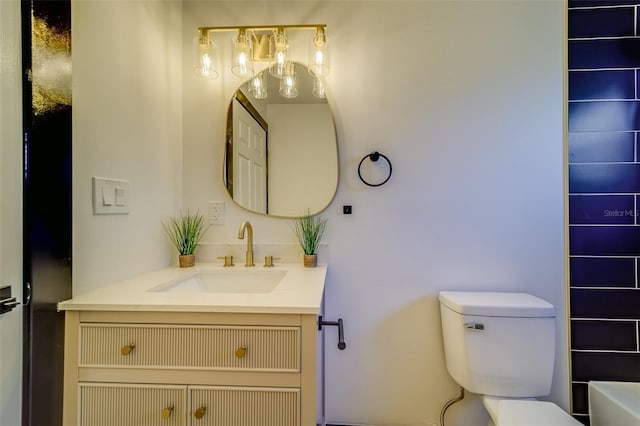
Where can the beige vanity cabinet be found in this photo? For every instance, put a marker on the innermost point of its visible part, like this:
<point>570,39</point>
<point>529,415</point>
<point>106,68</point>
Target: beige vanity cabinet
<point>191,369</point>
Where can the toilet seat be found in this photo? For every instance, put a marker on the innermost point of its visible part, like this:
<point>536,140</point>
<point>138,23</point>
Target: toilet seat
<point>533,413</point>
<point>522,412</point>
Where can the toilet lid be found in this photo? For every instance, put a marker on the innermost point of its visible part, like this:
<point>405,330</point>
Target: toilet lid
<point>533,413</point>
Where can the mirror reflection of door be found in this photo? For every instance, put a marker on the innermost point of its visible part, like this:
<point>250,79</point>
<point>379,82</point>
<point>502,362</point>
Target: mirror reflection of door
<point>302,154</point>
<point>249,147</point>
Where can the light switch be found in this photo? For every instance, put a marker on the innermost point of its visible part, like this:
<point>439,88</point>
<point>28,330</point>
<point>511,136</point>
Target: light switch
<point>121,196</point>
<point>107,196</point>
<point>110,196</point>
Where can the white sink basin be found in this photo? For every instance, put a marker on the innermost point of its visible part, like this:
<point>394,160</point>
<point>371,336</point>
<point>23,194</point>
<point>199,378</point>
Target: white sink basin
<point>614,403</point>
<point>225,281</point>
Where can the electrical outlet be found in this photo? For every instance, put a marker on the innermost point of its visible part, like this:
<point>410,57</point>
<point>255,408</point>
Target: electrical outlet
<point>216,212</point>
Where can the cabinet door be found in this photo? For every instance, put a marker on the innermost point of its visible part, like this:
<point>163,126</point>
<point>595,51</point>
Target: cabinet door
<point>244,406</point>
<point>102,404</point>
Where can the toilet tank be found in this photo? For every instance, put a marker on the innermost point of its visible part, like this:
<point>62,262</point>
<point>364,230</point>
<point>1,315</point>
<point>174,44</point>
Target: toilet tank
<point>500,344</point>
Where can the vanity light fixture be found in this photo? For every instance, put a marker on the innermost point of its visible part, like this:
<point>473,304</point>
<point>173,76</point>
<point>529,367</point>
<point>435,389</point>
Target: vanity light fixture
<point>319,54</point>
<point>258,86</point>
<point>242,47</point>
<point>205,53</point>
<point>280,60</point>
<point>288,87</point>
<point>263,44</point>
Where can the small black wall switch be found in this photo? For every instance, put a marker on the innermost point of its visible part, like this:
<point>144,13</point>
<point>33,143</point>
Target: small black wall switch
<point>346,209</point>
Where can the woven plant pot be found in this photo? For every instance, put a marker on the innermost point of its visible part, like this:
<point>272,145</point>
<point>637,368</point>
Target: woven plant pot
<point>187,260</point>
<point>310,260</point>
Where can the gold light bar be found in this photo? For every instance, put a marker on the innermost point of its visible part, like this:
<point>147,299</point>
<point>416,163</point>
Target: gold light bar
<point>263,27</point>
<point>262,43</point>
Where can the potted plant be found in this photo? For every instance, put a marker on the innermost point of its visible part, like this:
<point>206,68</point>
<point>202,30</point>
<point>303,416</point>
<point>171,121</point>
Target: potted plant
<point>309,230</point>
<point>185,232</point>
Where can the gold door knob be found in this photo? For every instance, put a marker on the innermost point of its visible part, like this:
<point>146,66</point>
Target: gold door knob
<point>166,412</point>
<point>199,413</point>
<point>126,350</point>
<point>241,352</point>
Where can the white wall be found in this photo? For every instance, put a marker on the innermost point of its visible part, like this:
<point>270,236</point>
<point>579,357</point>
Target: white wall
<point>302,151</point>
<point>466,99</point>
<point>10,209</point>
<point>127,124</point>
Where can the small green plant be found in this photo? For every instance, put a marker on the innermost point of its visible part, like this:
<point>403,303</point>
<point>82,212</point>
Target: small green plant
<point>309,230</point>
<point>185,231</point>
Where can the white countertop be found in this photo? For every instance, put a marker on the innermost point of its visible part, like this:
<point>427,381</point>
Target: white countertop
<point>299,292</point>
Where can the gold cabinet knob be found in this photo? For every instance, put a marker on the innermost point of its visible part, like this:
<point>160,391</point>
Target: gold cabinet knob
<point>166,412</point>
<point>199,413</point>
<point>126,350</point>
<point>241,352</point>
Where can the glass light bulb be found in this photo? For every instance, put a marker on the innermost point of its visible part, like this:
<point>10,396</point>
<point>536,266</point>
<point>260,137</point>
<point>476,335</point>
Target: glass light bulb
<point>280,62</point>
<point>288,87</point>
<point>204,51</point>
<point>278,67</point>
<point>258,86</point>
<point>318,88</point>
<point>205,69</point>
<point>241,50</point>
<point>242,64</point>
<point>319,54</point>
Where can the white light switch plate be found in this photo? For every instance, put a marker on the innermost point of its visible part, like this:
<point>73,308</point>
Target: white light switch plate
<point>110,196</point>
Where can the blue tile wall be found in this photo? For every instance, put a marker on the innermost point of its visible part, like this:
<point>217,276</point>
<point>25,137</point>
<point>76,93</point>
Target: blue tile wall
<point>604,191</point>
<point>606,84</point>
<point>601,209</point>
<point>604,178</point>
<point>604,53</point>
<point>613,366</point>
<point>604,116</point>
<point>590,3</point>
<point>602,272</point>
<point>601,22</point>
<point>604,240</point>
<point>596,147</point>
<point>604,335</point>
<point>619,303</point>
<point>580,397</point>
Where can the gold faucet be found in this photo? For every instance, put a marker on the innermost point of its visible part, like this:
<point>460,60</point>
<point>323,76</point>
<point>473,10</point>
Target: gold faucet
<point>246,225</point>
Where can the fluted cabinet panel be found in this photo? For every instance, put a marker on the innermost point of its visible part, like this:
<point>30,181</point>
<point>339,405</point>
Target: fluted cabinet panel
<point>235,406</point>
<point>132,405</point>
<point>223,370</point>
<point>190,347</point>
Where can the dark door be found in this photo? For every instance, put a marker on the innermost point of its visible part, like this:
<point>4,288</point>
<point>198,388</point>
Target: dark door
<point>47,204</point>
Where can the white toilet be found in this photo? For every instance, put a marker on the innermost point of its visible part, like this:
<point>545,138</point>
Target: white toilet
<point>502,346</point>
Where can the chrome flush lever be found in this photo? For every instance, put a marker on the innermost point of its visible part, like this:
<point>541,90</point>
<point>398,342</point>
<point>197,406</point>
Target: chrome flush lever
<point>474,326</point>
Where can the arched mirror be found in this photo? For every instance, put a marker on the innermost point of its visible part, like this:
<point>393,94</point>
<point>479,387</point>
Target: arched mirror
<point>281,154</point>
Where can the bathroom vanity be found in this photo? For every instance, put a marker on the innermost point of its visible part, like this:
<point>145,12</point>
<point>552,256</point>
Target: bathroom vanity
<point>204,346</point>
